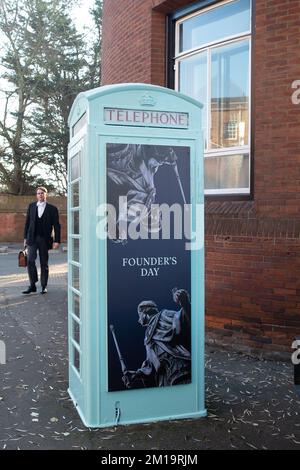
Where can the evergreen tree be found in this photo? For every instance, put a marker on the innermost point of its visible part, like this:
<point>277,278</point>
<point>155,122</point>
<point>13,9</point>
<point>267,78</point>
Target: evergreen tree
<point>47,63</point>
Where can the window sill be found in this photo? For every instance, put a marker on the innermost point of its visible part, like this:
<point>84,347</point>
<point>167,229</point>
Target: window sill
<point>230,208</point>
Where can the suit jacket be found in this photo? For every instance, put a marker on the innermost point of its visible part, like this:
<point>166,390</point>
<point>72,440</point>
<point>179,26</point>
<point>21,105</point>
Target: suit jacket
<point>50,222</point>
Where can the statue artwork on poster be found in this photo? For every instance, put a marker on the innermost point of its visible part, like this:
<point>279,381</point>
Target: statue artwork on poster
<point>148,277</point>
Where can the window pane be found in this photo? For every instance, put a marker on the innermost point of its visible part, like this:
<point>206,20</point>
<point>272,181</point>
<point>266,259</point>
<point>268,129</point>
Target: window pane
<point>75,249</point>
<point>75,277</point>
<point>214,25</point>
<point>193,81</point>
<point>76,331</point>
<point>75,194</point>
<point>230,95</point>
<point>76,304</point>
<point>75,167</point>
<point>79,124</point>
<point>227,172</point>
<point>76,359</point>
<point>75,222</point>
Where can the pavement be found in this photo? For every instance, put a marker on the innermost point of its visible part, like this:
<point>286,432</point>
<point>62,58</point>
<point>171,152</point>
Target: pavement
<point>251,402</point>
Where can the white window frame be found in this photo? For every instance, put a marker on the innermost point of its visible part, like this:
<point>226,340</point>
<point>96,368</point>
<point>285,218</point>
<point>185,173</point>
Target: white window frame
<point>208,47</point>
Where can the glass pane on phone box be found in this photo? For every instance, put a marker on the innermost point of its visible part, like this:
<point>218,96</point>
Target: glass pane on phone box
<point>76,332</point>
<point>75,222</point>
<point>75,202</point>
<point>76,359</point>
<point>76,305</point>
<point>75,167</point>
<point>76,277</point>
<point>75,249</point>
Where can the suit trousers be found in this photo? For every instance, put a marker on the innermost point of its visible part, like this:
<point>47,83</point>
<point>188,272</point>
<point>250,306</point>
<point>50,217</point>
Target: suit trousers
<point>40,244</point>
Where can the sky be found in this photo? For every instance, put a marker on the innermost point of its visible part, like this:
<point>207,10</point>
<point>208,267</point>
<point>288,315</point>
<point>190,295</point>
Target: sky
<point>81,14</point>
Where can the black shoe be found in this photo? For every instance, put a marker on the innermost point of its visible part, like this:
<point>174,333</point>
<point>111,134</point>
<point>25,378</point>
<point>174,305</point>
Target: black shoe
<point>30,290</point>
<point>44,290</point>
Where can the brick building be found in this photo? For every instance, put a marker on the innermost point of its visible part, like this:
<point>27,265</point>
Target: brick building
<point>240,59</point>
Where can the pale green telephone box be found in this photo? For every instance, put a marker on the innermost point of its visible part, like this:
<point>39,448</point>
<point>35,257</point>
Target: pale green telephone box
<point>135,255</point>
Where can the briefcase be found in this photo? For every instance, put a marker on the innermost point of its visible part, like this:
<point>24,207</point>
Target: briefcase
<point>23,258</point>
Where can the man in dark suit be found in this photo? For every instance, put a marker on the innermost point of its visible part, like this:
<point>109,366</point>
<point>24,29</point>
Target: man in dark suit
<point>41,219</point>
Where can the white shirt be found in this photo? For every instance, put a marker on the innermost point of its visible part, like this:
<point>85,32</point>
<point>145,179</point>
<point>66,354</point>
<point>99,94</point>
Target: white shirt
<point>41,207</point>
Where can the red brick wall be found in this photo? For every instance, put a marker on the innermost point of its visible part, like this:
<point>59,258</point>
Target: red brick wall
<point>13,212</point>
<point>252,248</point>
<point>133,43</point>
<point>126,43</point>
<point>277,119</point>
<point>252,277</point>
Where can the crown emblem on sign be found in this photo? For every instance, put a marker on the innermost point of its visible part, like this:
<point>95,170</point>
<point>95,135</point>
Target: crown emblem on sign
<point>147,100</point>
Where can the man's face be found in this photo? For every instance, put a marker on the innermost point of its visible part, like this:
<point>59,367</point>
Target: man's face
<point>145,314</point>
<point>143,319</point>
<point>40,195</point>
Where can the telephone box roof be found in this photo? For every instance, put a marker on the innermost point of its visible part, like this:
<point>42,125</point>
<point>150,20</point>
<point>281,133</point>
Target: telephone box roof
<point>91,95</point>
